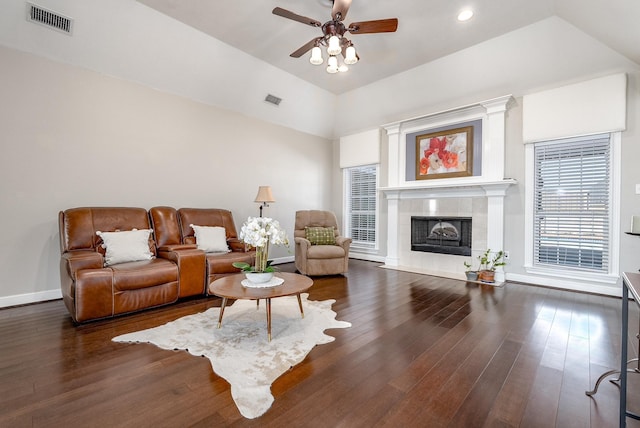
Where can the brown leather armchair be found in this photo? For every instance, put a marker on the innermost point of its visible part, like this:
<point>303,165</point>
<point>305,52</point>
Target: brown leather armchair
<point>313,256</point>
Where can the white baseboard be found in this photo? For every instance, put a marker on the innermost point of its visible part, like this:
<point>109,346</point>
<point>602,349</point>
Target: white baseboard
<point>42,296</point>
<point>281,260</point>
<point>367,257</point>
<point>614,291</point>
<point>24,299</point>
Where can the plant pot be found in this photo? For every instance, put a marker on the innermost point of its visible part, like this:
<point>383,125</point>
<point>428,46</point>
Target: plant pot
<point>471,275</point>
<point>487,276</point>
<point>258,277</point>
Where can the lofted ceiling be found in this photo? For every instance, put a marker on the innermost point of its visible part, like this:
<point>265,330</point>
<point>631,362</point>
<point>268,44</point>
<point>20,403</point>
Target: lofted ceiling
<point>427,30</point>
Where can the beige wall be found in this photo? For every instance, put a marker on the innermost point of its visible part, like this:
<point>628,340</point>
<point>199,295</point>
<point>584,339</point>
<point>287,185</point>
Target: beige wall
<point>72,137</point>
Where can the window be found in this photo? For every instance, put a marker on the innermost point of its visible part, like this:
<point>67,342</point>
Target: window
<point>361,205</point>
<point>572,193</point>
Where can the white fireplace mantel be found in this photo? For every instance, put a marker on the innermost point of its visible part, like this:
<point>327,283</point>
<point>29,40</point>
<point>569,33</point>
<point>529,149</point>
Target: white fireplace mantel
<point>490,185</point>
<point>451,189</point>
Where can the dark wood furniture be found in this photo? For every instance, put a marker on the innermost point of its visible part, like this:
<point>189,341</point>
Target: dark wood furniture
<point>231,287</point>
<point>631,283</point>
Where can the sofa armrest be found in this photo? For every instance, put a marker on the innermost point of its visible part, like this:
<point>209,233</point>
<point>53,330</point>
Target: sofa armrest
<point>74,261</point>
<point>301,248</point>
<point>177,247</point>
<point>304,243</point>
<point>344,242</point>
<point>192,266</point>
<point>237,245</point>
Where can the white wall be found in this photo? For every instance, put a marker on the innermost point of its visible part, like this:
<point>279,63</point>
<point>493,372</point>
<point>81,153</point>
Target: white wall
<point>544,55</point>
<point>136,43</point>
<point>72,137</point>
<point>535,57</point>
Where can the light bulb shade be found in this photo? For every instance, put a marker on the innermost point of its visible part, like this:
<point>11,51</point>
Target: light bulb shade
<point>316,56</point>
<point>343,68</point>
<point>264,194</point>
<point>350,56</point>
<point>334,46</point>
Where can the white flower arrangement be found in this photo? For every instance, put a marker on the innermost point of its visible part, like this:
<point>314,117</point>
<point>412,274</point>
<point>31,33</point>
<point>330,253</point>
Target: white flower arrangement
<point>260,232</point>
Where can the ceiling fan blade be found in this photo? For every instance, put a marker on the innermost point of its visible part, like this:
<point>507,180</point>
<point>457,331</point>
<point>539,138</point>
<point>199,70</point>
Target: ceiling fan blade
<point>290,15</point>
<point>340,7</point>
<point>305,48</point>
<point>379,26</point>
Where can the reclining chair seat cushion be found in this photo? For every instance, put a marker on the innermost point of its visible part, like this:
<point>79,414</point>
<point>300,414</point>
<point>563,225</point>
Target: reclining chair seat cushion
<point>325,252</point>
<point>143,274</point>
<point>223,262</point>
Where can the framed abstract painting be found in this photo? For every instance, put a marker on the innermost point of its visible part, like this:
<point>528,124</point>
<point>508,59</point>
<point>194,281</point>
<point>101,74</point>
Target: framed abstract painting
<point>445,154</point>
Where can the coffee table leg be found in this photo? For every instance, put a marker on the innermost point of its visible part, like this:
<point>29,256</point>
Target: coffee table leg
<point>269,319</point>
<point>300,304</point>
<point>224,303</point>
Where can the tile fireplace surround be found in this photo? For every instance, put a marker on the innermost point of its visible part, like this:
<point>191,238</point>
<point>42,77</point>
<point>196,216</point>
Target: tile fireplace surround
<point>480,197</point>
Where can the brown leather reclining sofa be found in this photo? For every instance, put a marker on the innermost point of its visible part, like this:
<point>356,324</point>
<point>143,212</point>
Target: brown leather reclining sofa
<point>92,290</point>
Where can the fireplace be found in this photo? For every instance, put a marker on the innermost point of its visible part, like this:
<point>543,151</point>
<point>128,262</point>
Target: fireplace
<point>444,235</point>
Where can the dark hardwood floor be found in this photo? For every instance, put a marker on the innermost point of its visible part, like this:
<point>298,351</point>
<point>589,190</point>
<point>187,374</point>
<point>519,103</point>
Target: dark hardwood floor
<point>422,352</point>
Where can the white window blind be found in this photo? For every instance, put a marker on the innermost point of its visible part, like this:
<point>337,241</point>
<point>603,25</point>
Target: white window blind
<point>572,203</point>
<point>361,205</point>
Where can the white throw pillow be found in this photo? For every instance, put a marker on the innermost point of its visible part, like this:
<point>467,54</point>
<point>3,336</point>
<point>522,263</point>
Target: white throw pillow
<point>211,239</point>
<point>128,246</point>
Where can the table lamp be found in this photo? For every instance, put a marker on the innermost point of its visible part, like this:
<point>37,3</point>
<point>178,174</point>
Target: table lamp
<point>264,197</point>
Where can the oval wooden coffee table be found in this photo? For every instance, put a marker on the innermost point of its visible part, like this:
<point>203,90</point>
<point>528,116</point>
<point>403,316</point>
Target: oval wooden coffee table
<point>230,287</point>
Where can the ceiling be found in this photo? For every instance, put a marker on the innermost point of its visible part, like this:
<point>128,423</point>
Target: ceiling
<point>427,30</point>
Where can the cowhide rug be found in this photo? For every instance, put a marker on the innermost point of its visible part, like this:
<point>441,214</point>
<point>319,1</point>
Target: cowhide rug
<point>240,352</point>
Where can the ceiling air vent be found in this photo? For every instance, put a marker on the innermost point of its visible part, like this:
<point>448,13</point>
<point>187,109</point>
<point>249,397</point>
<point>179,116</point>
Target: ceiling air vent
<point>49,19</point>
<point>273,99</point>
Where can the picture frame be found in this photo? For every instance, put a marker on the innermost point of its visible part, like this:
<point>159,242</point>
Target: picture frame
<point>445,154</point>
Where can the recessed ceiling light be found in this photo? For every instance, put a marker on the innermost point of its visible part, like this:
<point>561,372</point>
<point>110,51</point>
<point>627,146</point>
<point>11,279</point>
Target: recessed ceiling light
<point>465,15</point>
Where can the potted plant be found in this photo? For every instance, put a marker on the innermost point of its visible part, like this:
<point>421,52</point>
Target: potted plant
<point>260,232</point>
<point>472,275</point>
<point>488,264</point>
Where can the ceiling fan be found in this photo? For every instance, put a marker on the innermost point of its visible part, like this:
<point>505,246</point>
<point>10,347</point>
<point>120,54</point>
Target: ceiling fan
<point>333,35</point>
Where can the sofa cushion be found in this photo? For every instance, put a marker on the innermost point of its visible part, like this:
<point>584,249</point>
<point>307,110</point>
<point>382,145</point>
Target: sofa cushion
<point>143,274</point>
<point>320,235</point>
<point>126,246</point>
<point>223,263</point>
<point>211,239</point>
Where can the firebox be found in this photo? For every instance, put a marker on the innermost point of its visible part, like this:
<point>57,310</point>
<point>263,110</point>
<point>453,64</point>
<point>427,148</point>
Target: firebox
<point>444,235</point>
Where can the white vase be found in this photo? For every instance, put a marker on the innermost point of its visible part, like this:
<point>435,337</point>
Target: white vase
<point>259,277</point>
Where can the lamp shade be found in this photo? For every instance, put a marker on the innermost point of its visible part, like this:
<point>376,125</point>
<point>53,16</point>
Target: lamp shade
<point>334,46</point>
<point>332,65</point>
<point>264,194</point>
<point>316,56</point>
<point>350,57</point>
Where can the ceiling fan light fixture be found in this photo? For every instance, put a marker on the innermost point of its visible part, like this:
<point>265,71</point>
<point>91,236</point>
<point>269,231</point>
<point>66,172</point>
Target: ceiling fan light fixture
<point>350,56</point>
<point>332,65</point>
<point>316,56</point>
<point>334,46</point>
